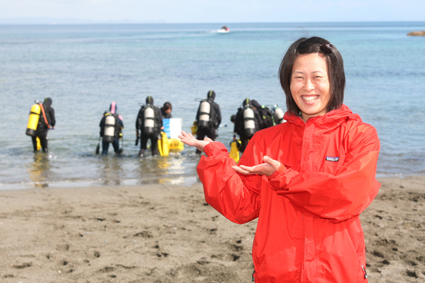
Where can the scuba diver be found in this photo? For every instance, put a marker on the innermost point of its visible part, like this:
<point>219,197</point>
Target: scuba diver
<point>278,115</point>
<point>166,110</point>
<point>266,115</point>
<point>149,123</point>
<point>42,118</point>
<point>208,118</point>
<point>247,122</point>
<point>111,127</point>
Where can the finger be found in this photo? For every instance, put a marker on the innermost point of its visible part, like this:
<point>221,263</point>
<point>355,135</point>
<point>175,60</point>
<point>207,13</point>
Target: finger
<point>247,168</point>
<point>271,161</point>
<point>240,170</point>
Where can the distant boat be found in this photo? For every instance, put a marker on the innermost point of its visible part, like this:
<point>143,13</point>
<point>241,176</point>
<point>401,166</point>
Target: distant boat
<point>224,29</point>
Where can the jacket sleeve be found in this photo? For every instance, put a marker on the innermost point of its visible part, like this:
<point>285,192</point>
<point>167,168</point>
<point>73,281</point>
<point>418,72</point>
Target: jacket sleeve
<point>234,196</point>
<point>336,197</point>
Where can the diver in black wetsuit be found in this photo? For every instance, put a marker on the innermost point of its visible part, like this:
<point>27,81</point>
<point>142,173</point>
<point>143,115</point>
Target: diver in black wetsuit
<point>214,119</point>
<point>150,125</point>
<point>46,121</point>
<point>119,125</point>
<point>240,129</point>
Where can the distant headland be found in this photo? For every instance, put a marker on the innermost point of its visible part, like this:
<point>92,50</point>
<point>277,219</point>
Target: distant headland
<point>417,33</point>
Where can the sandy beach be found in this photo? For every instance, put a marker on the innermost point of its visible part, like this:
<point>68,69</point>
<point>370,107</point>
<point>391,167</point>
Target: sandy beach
<point>167,233</point>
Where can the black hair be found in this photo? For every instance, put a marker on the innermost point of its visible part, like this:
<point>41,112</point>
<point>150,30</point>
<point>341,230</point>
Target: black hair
<point>167,105</point>
<point>334,63</point>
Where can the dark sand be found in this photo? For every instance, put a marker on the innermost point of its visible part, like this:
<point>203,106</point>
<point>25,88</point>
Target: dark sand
<point>167,233</point>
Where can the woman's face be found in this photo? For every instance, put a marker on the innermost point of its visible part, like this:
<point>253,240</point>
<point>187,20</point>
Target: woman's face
<point>310,87</point>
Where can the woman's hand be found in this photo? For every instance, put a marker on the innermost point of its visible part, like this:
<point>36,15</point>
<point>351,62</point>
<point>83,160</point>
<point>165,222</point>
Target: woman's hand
<point>190,140</point>
<point>267,168</point>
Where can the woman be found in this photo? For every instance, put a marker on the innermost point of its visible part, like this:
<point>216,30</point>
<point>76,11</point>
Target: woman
<point>307,180</point>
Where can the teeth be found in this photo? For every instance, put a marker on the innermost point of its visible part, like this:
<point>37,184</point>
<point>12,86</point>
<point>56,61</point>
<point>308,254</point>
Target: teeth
<point>310,98</point>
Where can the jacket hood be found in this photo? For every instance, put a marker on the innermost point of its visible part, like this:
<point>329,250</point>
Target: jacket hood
<point>246,102</point>
<point>113,108</point>
<point>211,95</point>
<point>47,102</point>
<point>330,120</point>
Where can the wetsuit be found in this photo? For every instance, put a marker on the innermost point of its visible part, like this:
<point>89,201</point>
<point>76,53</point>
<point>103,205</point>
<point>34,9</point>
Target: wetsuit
<point>42,127</point>
<point>153,137</point>
<point>214,123</point>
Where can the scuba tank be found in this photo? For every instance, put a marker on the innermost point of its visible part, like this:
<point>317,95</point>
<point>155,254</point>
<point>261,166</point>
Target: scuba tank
<point>149,120</point>
<point>109,131</point>
<point>33,120</point>
<point>204,114</point>
<point>278,112</point>
<point>249,121</point>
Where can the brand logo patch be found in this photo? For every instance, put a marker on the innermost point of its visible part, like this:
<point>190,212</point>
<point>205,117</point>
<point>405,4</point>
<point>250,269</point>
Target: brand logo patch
<point>332,158</point>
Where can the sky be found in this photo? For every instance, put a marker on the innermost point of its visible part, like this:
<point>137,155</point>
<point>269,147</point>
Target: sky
<point>209,11</point>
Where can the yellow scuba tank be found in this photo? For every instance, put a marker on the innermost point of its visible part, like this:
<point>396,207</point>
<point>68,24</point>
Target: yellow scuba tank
<point>234,151</point>
<point>33,120</point>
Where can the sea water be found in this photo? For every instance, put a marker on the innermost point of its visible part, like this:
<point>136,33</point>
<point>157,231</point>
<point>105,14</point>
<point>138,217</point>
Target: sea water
<point>83,68</point>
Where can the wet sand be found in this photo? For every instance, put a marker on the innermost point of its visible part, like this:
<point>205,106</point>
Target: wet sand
<point>167,233</point>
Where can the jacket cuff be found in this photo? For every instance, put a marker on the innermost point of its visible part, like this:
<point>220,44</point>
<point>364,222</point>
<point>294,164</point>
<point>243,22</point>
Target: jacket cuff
<point>214,148</point>
<point>279,171</point>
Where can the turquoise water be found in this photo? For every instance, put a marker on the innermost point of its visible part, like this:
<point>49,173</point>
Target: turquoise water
<point>83,68</point>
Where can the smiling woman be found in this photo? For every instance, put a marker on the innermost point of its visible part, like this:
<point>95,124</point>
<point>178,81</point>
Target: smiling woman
<point>313,73</point>
<point>306,180</point>
<point>310,86</point>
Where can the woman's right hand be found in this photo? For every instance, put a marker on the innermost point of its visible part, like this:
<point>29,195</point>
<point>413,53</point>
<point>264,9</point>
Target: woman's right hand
<point>190,140</point>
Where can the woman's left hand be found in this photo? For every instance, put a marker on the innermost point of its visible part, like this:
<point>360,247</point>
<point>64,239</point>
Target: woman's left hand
<point>190,140</point>
<point>267,168</point>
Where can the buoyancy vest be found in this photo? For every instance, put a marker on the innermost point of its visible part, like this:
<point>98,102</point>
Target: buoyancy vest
<point>267,117</point>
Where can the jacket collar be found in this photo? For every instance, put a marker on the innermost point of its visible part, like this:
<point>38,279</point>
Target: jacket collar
<point>331,119</point>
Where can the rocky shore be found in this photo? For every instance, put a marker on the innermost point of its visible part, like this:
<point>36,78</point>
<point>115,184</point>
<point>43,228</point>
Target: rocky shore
<point>417,33</point>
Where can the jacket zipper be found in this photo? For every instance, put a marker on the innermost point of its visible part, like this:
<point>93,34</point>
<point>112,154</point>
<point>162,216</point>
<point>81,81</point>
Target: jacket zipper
<point>365,273</point>
<point>302,266</point>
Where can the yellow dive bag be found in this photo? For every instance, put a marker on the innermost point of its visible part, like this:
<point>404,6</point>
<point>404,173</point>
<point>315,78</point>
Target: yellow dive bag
<point>164,145</point>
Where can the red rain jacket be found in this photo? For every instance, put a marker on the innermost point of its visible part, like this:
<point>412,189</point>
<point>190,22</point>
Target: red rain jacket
<point>308,213</point>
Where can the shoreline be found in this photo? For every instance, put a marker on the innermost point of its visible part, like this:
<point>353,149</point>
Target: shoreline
<point>178,180</point>
<point>167,233</point>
